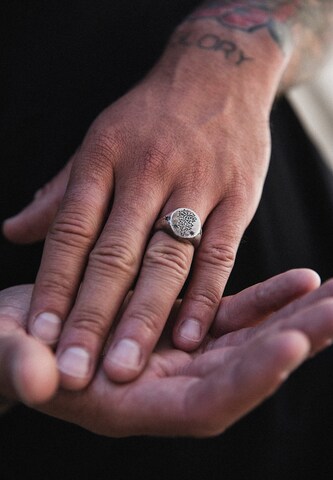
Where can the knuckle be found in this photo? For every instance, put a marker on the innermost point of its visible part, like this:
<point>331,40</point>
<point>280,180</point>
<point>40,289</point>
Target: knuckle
<point>90,322</point>
<point>71,228</point>
<point>155,157</point>
<point>242,192</point>
<point>147,320</point>
<point>100,151</point>
<point>218,256</point>
<point>117,256</point>
<point>209,296</point>
<point>56,285</point>
<point>104,145</point>
<point>171,259</point>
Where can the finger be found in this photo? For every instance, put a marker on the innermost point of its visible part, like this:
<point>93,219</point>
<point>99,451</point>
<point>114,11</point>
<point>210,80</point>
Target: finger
<point>113,265</point>
<point>33,222</point>
<point>294,314</point>
<point>315,320</point>
<point>253,374</point>
<point>322,293</point>
<point>254,304</point>
<point>69,242</point>
<point>165,267</point>
<point>213,262</point>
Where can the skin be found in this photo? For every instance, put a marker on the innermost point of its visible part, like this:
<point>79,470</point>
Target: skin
<point>194,133</point>
<point>276,326</point>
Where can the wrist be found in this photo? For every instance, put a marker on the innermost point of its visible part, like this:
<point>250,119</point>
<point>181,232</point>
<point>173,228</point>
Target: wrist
<point>211,64</point>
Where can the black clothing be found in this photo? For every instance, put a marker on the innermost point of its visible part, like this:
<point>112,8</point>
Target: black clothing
<point>64,62</point>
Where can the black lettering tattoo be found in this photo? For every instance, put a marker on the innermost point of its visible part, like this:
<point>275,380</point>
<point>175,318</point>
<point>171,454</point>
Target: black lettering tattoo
<point>243,58</point>
<point>212,42</point>
<point>209,42</point>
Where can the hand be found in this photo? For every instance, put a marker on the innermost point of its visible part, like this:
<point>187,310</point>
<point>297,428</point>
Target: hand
<point>202,393</point>
<point>177,139</point>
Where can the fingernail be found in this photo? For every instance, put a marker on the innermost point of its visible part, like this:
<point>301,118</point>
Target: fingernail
<point>190,330</point>
<point>75,361</point>
<point>46,327</point>
<point>125,353</point>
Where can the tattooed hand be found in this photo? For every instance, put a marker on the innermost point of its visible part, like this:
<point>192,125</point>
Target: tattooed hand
<point>193,134</point>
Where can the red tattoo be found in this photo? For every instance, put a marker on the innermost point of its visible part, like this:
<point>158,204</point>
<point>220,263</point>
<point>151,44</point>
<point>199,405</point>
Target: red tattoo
<point>249,16</point>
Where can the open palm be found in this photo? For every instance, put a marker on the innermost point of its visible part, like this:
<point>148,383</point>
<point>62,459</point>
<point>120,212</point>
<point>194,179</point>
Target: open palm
<point>276,326</point>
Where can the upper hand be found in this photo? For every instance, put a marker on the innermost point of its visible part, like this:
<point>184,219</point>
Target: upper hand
<point>187,136</point>
<point>145,156</point>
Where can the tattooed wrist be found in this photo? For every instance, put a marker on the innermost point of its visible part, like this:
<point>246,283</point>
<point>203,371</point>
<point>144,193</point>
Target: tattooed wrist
<point>302,29</point>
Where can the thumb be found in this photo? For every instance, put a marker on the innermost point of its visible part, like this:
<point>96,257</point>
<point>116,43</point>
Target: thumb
<point>28,370</point>
<point>33,222</point>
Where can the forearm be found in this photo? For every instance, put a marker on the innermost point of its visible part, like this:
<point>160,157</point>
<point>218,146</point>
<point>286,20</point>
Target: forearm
<point>278,42</point>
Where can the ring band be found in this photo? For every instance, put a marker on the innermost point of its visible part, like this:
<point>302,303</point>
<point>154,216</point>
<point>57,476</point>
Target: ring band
<point>183,224</point>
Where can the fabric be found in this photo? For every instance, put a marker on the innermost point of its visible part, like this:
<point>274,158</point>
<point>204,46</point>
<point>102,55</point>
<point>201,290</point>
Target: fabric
<point>313,102</point>
<point>62,63</point>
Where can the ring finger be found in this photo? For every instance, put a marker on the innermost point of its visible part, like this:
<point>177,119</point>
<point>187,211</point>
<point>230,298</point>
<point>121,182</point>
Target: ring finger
<point>166,265</point>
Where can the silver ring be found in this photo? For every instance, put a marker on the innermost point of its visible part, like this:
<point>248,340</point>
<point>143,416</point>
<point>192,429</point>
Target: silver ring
<point>183,224</point>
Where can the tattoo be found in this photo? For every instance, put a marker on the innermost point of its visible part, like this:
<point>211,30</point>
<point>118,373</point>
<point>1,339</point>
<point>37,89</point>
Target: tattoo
<point>251,15</point>
<point>212,42</point>
<point>277,17</point>
<point>302,27</point>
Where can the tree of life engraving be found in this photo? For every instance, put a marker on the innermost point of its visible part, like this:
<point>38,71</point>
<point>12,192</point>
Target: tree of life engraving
<point>185,223</point>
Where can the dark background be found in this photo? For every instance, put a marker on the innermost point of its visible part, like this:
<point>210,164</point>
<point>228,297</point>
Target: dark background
<point>61,63</point>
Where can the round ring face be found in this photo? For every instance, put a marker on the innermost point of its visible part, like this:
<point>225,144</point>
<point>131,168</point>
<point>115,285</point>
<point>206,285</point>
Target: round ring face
<point>184,223</point>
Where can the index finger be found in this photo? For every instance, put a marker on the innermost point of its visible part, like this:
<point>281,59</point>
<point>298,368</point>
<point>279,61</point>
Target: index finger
<point>69,241</point>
